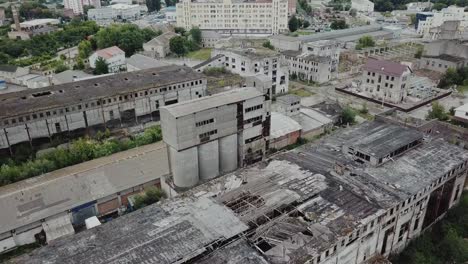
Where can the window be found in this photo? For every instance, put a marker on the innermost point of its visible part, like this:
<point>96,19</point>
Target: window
<point>207,134</point>
<point>204,122</point>
<point>252,120</point>
<point>58,128</point>
<point>253,108</point>
<point>111,114</point>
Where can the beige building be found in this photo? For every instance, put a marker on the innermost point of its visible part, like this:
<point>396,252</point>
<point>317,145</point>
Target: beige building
<point>159,47</point>
<point>386,80</point>
<point>233,16</point>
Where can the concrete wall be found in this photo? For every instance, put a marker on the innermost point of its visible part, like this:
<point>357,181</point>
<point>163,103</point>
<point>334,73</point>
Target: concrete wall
<point>208,160</point>
<point>184,165</point>
<point>228,153</point>
<point>438,65</point>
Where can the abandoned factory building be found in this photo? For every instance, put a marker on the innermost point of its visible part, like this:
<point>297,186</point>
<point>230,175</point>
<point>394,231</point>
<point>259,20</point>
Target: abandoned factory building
<point>112,101</point>
<point>359,193</point>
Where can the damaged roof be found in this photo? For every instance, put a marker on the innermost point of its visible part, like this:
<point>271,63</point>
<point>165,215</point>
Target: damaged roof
<point>288,208</point>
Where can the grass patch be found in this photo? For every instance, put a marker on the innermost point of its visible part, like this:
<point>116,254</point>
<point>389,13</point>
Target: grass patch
<point>304,33</point>
<point>21,250</point>
<point>301,92</point>
<point>201,54</point>
<point>462,88</point>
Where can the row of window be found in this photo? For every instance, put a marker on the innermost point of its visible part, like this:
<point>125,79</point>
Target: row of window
<point>98,103</point>
<point>207,134</point>
<point>253,108</point>
<point>253,119</point>
<point>204,122</point>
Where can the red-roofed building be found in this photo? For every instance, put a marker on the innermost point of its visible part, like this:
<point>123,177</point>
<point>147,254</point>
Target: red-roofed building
<point>114,57</point>
<point>386,80</point>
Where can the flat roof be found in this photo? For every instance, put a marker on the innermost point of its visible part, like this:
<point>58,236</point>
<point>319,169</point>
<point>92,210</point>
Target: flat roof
<point>379,139</point>
<point>38,22</point>
<point>64,95</point>
<point>212,101</point>
<point>447,57</point>
<point>37,198</point>
<point>282,125</point>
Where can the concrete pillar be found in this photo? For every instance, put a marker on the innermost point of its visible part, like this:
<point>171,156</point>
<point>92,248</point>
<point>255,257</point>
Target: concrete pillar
<point>184,166</point>
<point>228,153</point>
<point>208,160</point>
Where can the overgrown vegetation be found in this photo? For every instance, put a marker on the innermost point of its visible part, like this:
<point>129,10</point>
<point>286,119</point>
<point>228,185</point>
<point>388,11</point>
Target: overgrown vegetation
<point>339,24</point>
<point>348,116</point>
<point>128,37</point>
<point>18,251</point>
<point>210,71</point>
<point>268,45</point>
<point>454,77</point>
<point>43,47</point>
<point>365,42</point>
<point>340,5</point>
<point>81,150</point>
<point>445,243</point>
<point>295,23</point>
<point>150,196</point>
<point>437,112</point>
<point>186,42</point>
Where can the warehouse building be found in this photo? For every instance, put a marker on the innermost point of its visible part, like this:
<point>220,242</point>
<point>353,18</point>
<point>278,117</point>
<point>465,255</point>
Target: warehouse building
<point>216,134</point>
<point>123,100</point>
<point>320,203</point>
<point>55,204</point>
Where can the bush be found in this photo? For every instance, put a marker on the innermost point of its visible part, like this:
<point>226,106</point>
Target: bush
<point>268,45</point>
<point>348,116</point>
<point>214,70</point>
<point>150,196</point>
<point>81,150</point>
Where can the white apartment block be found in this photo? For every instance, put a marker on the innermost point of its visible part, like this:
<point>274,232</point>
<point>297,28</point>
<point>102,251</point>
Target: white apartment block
<point>317,62</point>
<point>77,5</point>
<point>255,61</point>
<point>118,12</point>
<point>386,80</point>
<point>451,13</point>
<point>234,16</point>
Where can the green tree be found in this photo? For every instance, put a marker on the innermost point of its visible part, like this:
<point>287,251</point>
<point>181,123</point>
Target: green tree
<point>4,58</point>
<point>338,24</point>
<point>84,49</point>
<point>179,30</point>
<point>101,67</point>
<point>293,24</point>
<point>437,112</point>
<point>352,12</point>
<point>348,116</point>
<point>365,41</point>
<point>79,64</point>
<point>439,6</point>
<point>153,5</point>
<point>267,44</point>
<point>61,68</point>
<point>305,24</point>
<point>196,35</point>
<point>177,45</point>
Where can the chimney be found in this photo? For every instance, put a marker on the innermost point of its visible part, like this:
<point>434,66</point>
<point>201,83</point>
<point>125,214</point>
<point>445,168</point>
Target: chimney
<point>15,12</point>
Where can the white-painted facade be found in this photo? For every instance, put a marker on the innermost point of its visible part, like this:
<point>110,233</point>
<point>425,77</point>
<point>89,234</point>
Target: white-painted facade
<point>234,17</point>
<point>451,13</point>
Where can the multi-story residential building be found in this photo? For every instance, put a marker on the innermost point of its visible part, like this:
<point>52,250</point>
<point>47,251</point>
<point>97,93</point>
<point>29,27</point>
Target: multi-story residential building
<point>114,57</point>
<point>116,13</point>
<point>234,16</point>
<point>451,13</point>
<point>386,80</point>
<point>254,61</point>
<point>75,5</point>
<point>36,116</point>
<point>317,62</point>
<point>216,134</point>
